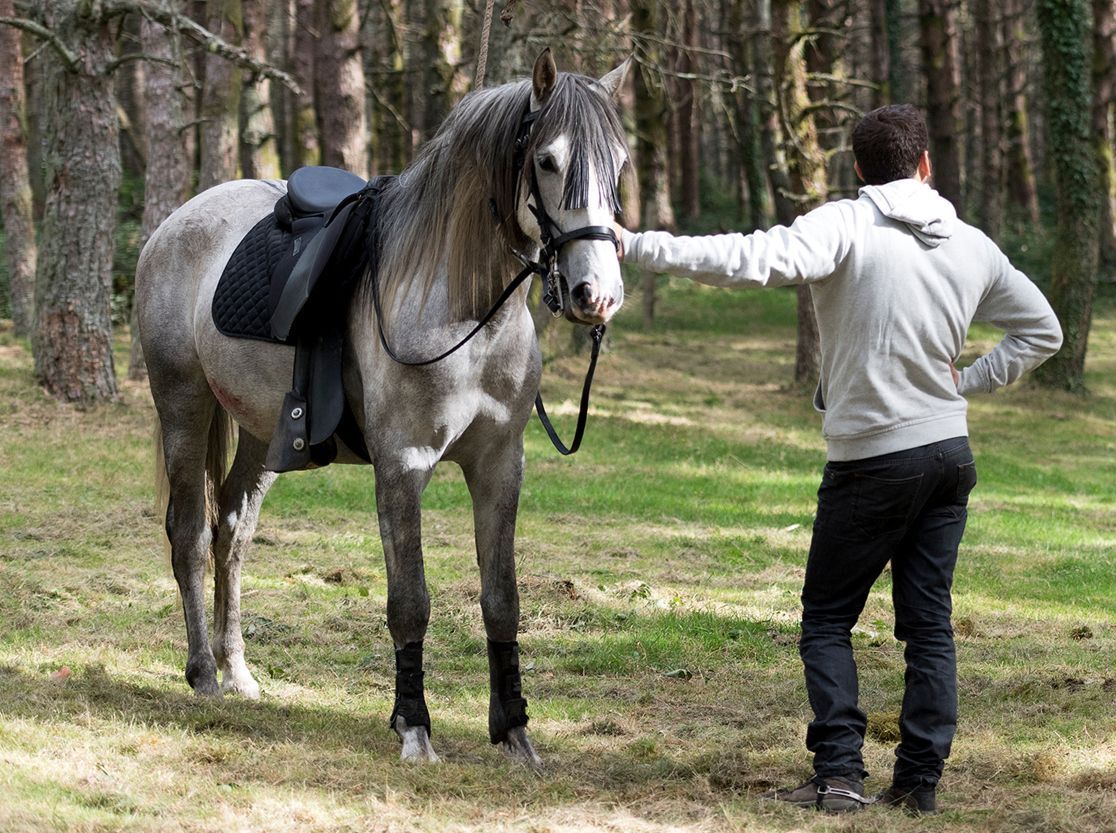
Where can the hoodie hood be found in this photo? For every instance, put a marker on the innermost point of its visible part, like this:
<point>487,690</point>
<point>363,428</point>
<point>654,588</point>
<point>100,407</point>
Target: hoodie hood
<point>930,217</point>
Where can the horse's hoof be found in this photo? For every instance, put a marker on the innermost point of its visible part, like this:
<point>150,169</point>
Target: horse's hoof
<point>207,688</point>
<point>203,681</point>
<point>240,684</point>
<point>416,743</point>
<point>518,749</point>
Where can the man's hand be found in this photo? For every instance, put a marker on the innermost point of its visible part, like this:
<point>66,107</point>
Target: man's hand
<point>955,374</point>
<point>619,229</point>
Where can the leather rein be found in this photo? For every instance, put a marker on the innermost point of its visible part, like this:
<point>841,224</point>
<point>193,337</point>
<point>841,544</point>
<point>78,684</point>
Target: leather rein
<point>546,267</point>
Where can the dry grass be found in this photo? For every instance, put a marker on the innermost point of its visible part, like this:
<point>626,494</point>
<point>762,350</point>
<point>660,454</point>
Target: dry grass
<point>659,579</point>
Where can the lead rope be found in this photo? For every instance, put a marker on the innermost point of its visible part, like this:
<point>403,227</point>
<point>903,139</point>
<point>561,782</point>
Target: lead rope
<point>482,57</point>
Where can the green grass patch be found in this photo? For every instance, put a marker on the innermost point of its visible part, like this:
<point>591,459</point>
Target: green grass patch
<point>659,574</point>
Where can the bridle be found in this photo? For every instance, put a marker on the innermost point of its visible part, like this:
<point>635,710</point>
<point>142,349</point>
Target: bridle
<point>546,267</point>
<point>552,236</point>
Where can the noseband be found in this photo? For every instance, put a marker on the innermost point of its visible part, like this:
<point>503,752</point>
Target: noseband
<point>546,267</point>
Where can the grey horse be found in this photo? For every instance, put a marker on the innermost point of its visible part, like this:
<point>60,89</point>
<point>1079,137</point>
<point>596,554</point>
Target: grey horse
<point>449,226</point>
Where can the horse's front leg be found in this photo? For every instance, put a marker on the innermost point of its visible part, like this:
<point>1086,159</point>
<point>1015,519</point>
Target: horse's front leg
<point>494,482</point>
<point>398,496</point>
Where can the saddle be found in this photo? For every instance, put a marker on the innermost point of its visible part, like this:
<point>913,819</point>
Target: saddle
<point>289,281</point>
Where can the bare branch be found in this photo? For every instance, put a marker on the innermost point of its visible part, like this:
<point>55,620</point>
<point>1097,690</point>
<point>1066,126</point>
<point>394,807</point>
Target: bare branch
<point>199,34</point>
<point>139,56</point>
<point>47,35</point>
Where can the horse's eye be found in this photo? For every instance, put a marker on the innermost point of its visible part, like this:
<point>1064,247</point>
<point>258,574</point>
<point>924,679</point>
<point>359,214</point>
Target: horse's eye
<point>547,164</point>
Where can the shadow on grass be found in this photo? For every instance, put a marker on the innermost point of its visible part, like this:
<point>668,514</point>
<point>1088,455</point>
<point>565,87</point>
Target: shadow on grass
<point>292,746</point>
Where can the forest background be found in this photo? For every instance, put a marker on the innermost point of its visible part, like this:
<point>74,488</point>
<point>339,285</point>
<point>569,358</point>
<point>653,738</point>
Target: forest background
<point>660,569</point>
<point>113,112</point>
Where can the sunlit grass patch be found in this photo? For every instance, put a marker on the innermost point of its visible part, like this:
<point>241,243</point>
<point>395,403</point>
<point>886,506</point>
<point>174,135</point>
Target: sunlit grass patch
<point>659,574</point>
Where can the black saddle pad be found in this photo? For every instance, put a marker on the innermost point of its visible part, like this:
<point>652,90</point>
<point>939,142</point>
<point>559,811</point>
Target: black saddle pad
<point>243,302</point>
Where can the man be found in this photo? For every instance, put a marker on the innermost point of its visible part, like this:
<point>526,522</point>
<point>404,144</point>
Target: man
<point>896,279</point>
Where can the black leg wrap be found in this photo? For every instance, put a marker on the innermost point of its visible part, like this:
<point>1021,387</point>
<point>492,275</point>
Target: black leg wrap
<point>410,704</point>
<point>507,708</point>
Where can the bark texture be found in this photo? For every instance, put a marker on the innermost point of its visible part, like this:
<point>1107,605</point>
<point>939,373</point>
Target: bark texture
<point>989,53</point>
<point>15,184</point>
<point>168,171</point>
<point>749,147</point>
<point>219,133</point>
<point>304,128</point>
<point>938,24</point>
<point>1104,125</point>
<point>1064,32</point>
<point>73,322</point>
<point>259,147</point>
<point>1022,191</point>
<point>805,161</point>
<point>880,55</point>
<point>339,87</point>
<point>652,120</point>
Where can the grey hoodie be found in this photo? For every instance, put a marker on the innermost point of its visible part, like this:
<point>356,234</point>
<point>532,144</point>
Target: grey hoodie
<point>896,279</point>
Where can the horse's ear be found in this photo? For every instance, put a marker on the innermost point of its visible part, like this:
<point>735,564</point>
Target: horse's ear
<point>544,76</point>
<point>613,82</point>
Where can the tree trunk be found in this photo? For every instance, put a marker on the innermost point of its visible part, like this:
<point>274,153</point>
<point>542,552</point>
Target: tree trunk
<point>339,87</point>
<point>73,321</point>
<point>689,120</point>
<point>827,70</point>
<point>1020,168</point>
<point>1064,30</point>
<point>220,106</point>
<point>652,118</point>
<point>15,183</point>
<point>880,62</point>
<point>1104,125</point>
<point>938,23</point>
<point>304,129</point>
<point>805,160</point>
<point>991,203</point>
<point>750,148</point>
<point>441,51</point>
<point>898,68</point>
<point>168,171</point>
<point>259,149</point>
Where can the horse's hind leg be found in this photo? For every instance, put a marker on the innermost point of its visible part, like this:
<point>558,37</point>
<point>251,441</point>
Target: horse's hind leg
<point>494,481</point>
<point>238,512</point>
<point>398,503</point>
<point>187,418</point>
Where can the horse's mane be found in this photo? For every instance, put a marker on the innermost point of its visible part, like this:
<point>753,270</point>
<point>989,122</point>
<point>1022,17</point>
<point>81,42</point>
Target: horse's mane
<point>435,220</point>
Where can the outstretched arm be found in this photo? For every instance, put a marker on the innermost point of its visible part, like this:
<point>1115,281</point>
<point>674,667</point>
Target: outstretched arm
<point>810,249</point>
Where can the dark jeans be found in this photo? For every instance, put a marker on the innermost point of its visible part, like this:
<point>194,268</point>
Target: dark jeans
<point>910,508</point>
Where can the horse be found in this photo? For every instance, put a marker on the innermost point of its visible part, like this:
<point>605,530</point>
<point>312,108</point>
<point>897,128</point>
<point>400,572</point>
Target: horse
<point>451,228</point>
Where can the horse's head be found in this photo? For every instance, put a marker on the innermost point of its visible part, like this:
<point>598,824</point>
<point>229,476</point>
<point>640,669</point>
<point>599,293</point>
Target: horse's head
<point>572,162</point>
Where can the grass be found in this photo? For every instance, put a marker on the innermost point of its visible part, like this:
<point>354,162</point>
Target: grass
<point>659,572</point>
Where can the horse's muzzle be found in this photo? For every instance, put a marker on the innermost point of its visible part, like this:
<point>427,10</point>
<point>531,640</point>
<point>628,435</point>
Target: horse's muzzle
<point>588,305</point>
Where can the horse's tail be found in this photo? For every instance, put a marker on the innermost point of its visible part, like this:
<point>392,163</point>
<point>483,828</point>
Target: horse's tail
<point>222,436</point>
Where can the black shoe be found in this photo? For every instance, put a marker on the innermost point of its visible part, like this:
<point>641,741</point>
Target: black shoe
<point>834,794</point>
<point>917,800</point>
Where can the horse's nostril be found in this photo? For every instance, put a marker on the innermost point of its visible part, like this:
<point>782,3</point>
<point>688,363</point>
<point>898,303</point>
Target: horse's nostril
<point>583,293</point>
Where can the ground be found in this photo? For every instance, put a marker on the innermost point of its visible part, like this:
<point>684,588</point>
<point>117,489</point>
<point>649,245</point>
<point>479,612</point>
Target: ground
<point>659,570</point>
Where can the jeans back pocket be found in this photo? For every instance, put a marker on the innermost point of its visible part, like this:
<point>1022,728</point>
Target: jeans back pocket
<point>884,505</point>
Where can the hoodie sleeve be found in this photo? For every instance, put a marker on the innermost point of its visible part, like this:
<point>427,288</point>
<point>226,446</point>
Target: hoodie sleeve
<point>810,249</point>
<point>1032,333</point>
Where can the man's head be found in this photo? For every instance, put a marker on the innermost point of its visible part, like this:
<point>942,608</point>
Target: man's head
<point>891,143</point>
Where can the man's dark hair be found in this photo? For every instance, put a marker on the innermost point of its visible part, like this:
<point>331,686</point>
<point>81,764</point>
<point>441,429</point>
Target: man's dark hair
<point>888,142</point>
